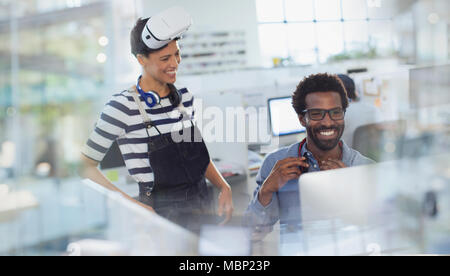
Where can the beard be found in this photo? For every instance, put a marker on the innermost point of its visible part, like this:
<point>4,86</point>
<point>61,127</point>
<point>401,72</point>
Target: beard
<point>328,144</point>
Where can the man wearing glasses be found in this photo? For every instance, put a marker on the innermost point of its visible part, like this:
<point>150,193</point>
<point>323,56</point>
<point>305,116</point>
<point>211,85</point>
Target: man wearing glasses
<point>320,101</point>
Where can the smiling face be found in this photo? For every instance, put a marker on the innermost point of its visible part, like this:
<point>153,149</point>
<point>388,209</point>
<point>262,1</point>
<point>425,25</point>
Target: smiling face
<point>326,133</point>
<point>162,65</point>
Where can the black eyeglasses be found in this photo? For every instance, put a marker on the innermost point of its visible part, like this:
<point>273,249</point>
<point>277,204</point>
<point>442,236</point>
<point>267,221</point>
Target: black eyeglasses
<point>336,114</point>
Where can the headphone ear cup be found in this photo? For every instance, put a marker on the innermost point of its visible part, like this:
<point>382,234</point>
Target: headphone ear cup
<point>155,98</point>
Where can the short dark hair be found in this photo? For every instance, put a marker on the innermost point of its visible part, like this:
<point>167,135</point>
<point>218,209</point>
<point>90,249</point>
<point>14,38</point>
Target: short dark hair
<point>349,85</point>
<point>138,47</point>
<point>318,83</point>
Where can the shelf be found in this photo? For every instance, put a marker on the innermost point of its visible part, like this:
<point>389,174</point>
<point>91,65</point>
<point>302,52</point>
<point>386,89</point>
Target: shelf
<point>208,52</point>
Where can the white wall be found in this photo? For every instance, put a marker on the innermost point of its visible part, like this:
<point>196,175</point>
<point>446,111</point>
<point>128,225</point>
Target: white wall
<point>432,39</point>
<point>275,81</point>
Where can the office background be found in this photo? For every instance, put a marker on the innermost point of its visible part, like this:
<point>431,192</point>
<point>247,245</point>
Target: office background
<point>61,60</point>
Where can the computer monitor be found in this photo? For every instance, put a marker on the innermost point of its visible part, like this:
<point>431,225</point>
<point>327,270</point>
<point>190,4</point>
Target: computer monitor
<point>405,201</point>
<point>349,194</point>
<point>362,209</point>
<point>283,118</point>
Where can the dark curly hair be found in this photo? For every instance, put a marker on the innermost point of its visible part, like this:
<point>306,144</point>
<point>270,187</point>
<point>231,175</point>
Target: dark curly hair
<point>349,85</point>
<point>138,47</point>
<point>318,83</point>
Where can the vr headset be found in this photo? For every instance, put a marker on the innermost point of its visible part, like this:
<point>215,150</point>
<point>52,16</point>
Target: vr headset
<point>165,27</point>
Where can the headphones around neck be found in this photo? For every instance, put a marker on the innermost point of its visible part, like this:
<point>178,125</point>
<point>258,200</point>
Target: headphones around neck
<point>152,98</point>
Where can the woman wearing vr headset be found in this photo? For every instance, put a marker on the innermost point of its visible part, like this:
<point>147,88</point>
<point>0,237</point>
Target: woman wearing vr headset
<point>147,120</point>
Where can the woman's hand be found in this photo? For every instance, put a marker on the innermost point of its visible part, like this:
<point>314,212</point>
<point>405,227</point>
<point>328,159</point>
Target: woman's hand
<point>225,196</point>
<point>225,204</point>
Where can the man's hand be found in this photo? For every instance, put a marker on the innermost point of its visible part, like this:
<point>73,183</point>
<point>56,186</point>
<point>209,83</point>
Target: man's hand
<point>225,204</point>
<point>283,171</point>
<point>332,164</point>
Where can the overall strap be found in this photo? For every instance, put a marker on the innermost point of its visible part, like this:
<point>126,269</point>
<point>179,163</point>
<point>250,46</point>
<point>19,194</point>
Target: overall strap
<point>138,101</point>
<point>147,121</point>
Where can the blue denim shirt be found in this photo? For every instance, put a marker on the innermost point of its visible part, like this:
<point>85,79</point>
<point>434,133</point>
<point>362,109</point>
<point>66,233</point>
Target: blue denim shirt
<point>285,204</point>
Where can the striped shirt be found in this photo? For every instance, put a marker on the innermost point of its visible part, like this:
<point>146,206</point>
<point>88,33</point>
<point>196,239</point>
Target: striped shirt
<point>121,121</point>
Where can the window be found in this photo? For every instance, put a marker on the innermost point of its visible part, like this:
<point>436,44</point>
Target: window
<point>299,10</point>
<point>327,10</point>
<point>302,42</point>
<point>51,81</point>
<point>270,11</point>
<point>354,9</point>
<point>315,31</point>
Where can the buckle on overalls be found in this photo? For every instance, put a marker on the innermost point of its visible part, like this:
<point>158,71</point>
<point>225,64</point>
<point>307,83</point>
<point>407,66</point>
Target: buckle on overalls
<point>148,125</point>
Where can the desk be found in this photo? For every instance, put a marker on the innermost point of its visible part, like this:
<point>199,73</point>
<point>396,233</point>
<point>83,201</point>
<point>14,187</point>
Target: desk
<point>13,203</point>
<point>70,212</point>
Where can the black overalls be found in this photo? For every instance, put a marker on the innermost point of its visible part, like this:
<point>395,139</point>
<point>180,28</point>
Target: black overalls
<point>179,192</point>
